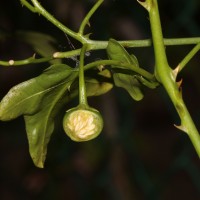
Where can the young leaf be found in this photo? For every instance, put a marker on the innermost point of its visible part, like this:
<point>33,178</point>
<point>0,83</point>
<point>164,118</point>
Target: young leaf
<point>127,81</point>
<point>100,84</point>
<point>116,51</point>
<point>39,100</point>
<point>130,84</point>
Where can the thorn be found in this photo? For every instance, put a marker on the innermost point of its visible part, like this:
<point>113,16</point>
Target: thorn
<point>176,71</point>
<point>34,55</point>
<point>145,4</point>
<point>69,88</point>
<point>179,83</point>
<point>88,35</point>
<point>181,127</point>
<point>88,23</point>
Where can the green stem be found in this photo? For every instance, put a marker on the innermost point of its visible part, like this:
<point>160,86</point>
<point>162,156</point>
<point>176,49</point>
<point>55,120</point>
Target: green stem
<point>98,45</point>
<point>27,61</point>
<point>88,16</point>
<point>181,41</point>
<point>67,54</point>
<point>93,45</point>
<point>82,87</point>
<point>137,70</point>
<point>167,76</point>
<point>187,58</point>
<point>28,5</point>
<point>43,12</point>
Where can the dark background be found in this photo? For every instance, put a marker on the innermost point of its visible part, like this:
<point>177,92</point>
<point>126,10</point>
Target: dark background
<point>140,154</point>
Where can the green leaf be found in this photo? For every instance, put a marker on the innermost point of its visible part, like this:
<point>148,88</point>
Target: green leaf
<point>116,51</point>
<point>129,82</point>
<point>100,84</point>
<point>97,82</point>
<point>42,44</point>
<point>147,83</point>
<point>39,100</point>
<point>40,125</point>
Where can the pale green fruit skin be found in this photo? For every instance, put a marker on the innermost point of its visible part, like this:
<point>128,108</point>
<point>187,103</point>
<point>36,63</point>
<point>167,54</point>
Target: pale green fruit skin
<point>82,124</point>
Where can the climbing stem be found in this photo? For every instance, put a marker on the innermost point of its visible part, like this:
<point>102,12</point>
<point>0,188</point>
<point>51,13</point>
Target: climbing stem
<point>98,45</point>
<point>88,16</point>
<point>37,7</point>
<point>134,70</point>
<point>82,87</point>
<point>188,57</point>
<point>167,76</point>
<point>28,5</point>
<point>31,60</point>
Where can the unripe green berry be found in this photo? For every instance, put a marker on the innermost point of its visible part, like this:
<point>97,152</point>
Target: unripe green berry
<point>82,124</point>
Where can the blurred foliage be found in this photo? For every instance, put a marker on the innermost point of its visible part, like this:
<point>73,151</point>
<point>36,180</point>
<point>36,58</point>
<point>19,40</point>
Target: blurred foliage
<point>139,155</point>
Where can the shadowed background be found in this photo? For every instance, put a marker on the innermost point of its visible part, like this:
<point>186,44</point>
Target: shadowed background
<point>140,154</point>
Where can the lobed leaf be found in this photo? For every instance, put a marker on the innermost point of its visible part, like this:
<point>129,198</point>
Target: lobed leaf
<point>99,84</point>
<point>129,82</point>
<point>39,100</point>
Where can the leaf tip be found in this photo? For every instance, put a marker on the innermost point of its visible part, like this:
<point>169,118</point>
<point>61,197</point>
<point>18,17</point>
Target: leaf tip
<point>38,162</point>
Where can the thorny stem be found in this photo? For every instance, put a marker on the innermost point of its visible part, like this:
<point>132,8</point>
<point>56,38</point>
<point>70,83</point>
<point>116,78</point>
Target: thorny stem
<point>187,58</point>
<point>28,5</point>
<point>93,45</point>
<point>99,45</point>
<point>167,76</point>
<point>40,10</point>
<point>27,61</point>
<point>88,16</point>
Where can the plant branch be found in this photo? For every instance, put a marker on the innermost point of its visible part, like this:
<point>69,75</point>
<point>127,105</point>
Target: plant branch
<point>27,61</point>
<point>166,75</point>
<point>39,9</point>
<point>28,5</point>
<point>119,64</point>
<point>82,87</point>
<point>88,16</point>
<point>99,45</point>
<point>94,44</point>
<point>67,54</point>
<point>187,58</point>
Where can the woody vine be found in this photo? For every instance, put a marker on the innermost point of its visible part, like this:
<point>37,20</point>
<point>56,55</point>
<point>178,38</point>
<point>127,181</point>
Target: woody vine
<point>40,99</point>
